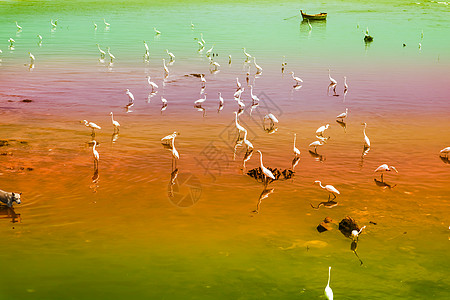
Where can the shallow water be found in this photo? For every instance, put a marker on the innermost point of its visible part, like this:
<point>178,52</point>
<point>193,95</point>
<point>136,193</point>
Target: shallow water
<point>133,233</point>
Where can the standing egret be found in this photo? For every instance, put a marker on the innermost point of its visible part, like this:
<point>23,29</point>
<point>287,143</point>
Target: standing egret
<point>166,70</point>
<point>267,173</point>
<point>247,142</point>
<point>366,139</point>
<point>11,42</point>
<point>356,233</point>
<point>115,123</point>
<point>238,126</point>
<point>229,59</point>
<point>331,79</point>
<point>238,84</point>
<point>95,25</point>
<point>54,24</point>
<point>272,119</point>
<point>239,102</point>
<point>385,168</point>
<point>296,151</point>
<point>216,65</point>
<point>321,129</point>
<point>18,27</point>
<point>32,59</point>
<point>200,101</point>
<point>345,84</point>
<point>238,93</point>
<point>201,38</point>
<point>248,56</point>
<point>164,101</point>
<point>315,144</point>
<point>208,53</point>
<point>111,56</point>
<point>95,154</point>
<point>298,80</point>
<point>192,25</point>
<point>331,189</point>
<point>220,99</point>
<point>203,79</point>
<point>258,68</point>
<point>147,52</point>
<point>151,83</point>
<point>168,138</point>
<point>328,290</point>
<point>254,97</point>
<point>157,32</point>
<point>172,57</point>
<point>102,53</point>
<point>40,39</point>
<point>92,125</point>
<point>106,23</point>
<point>343,115</point>
<point>130,95</point>
<point>445,151</point>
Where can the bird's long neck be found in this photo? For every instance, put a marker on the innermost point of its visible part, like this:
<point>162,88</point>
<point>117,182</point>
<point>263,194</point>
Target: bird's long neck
<point>260,158</point>
<point>329,275</point>
<point>364,130</point>
<point>95,144</point>
<point>112,117</point>
<point>295,138</point>
<point>320,183</point>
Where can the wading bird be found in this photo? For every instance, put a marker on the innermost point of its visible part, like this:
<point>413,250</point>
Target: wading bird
<point>258,68</point>
<point>32,59</point>
<point>102,53</point>
<point>40,39</point>
<point>130,95</point>
<point>254,97</point>
<point>343,115</point>
<point>172,57</point>
<point>445,151</point>
<point>267,173</point>
<point>111,56</point>
<point>238,84</point>
<point>296,151</point>
<point>200,101</point>
<point>18,27</point>
<point>272,119</point>
<point>114,122</point>
<point>54,24</point>
<point>248,56</point>
<point>356,233</point>
<point>11,42</point>
<point>331,79</point>
<point>95,25</point>
<point>345,84</point>
<point>151,83</point>
<point>168,138</point>
<point>321,129</point>
<point>203,79</point>
<point>238,126</point>
<point>315,144</point>
<point>166,70</point>
<point>328,290</point>
<point>331,189</point>
<point>92,125</point>
<point>208,53</point>
<point>229,59</point>
<point>298,80</point>
<point>220,99</point>
<point>95,154</point>
<point>106,23</point>
<point>366,139</point>
<point>385,168</point>
<point>157,32</point>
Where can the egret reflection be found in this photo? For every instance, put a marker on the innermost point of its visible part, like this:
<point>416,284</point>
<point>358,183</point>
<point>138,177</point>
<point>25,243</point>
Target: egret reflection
<point>326,204</point>
<point>317,156</point>
<point>383,184</point>
<point>342,124</point>
<point>264,194</point>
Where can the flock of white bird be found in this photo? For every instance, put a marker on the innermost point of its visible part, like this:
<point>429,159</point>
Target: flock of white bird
<point>169,140</point>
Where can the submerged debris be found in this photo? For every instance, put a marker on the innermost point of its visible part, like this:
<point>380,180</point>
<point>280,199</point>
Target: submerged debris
<point>347,225</point>
<point>279,175</point>
<point>325,225</point>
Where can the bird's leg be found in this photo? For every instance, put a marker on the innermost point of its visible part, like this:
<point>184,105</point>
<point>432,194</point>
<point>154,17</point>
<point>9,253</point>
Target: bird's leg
<point>329,195</point>
<point>381,177</point>
<point>334,196</point>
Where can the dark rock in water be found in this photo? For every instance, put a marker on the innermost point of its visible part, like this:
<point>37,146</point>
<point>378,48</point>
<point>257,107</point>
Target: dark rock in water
<point>368,39</point>
<point>27,100</point>
<point>325,225</point>
<point>4,143</point>
<point>347,225</point>
<point>279,175</point>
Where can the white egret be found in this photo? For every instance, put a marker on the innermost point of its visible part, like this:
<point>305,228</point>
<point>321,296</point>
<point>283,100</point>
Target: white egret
<point>296,151</point>
<point>130,95</point>
<point>114,122</point>
<point>331,189</point>
<point>106,23</point>
<point>238,84</point>
<point>356,233</point>
<point>156,31</point>
<point>239,102</point>
<point>345,84</point>
<point>111,56</point>
<point>216,65</point>
<point>166,70</point>
<point>331,79</point>
<point>95,25</point>
<point>343,115</point>
<point>208,53</point>
<point>315,144</point>
<point>220,99</point>
<point>272,119</point>
<point>175,154</point>
<point>164,101</point>
<point>147,51</point>
<point>298,80</point>
<point>200,101</point>
<point>200,44</point>
<point>267,173</point>
<point>238,93</point>
<point>247,142</point>
<point>366,139</point>
<point>151,83</point>
<point>248,56</point>
<point>32,59</point>
<point>203,79</point>
<point>328,290</point>
<point>95,153</point>
<point>385,168</point>
<point>192,25</point>
<point>40,38</point>
<point>258,68</point>
<point>172,57</point>
<point>11,42</point>
<point>238,126</point>
<point>254,97</point>
<point>168,138</point>
<point>201,38</point>
<point>18,26</point>
<point>102,53</point>
<point>54,24</point>
<point>92,125</point>
<point>321,129</point>
<point>445,151</point>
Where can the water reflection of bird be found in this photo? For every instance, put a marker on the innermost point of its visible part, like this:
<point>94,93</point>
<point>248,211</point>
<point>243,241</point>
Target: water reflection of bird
<point>342,124</point>
<point>327,204</point>
<point>385,168</point>
<point>317,156</point>
<point>445,159</point>
<point>267,173</point>
<point>264,194</point>
<point>328,290</point>
<point>296,151</point>
<point>331,189</point>
<point>383,184</point>
<point>366,139</point>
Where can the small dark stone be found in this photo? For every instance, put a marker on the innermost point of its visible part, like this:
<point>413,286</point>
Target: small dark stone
<point>27,100</point>
<point>322,227</point>
<point>404,45</point>
<point>30,169</point>
<point>4,143</point>
<point>328,220</point>
<point>371,222</point>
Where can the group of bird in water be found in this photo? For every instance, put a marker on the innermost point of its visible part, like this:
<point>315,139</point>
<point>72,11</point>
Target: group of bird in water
<point>169,140</point>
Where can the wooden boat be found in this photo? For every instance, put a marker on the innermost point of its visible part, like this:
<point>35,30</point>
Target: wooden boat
<point>321,16</point>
